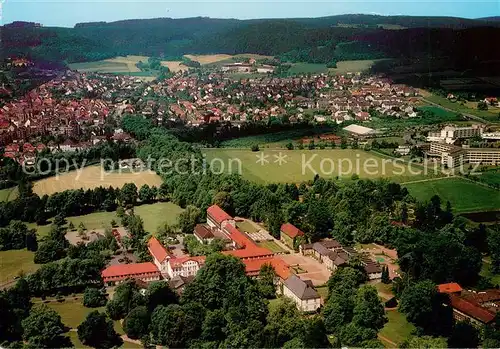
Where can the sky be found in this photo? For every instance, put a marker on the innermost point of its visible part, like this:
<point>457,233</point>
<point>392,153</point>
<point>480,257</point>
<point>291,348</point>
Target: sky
<point>67,13</point>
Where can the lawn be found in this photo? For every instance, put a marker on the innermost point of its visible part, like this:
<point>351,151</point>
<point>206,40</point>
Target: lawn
<point>153,215</point>
<point>445,114</point>
<point>8,194</point>
<point>14,262</point>
<point>302,165</point>
<point>323,292</point>
<point>92,177</point>
<point>487,273</point>
<point>397,329</point>
<point>271,245</point>
<point>156,214</point>
<point>490,178</point>
<point>465,196</point>
<point>246,227</point>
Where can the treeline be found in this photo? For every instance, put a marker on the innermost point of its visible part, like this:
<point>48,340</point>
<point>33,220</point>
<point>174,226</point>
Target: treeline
<point>29,207</point>
<point>463,42</point>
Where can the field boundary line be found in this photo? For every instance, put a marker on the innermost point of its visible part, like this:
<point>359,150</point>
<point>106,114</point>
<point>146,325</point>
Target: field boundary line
<point>429,180</point>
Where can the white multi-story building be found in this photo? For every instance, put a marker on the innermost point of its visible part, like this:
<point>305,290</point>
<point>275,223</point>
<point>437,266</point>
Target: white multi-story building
<point>302,293</point>
<point>449,134</point>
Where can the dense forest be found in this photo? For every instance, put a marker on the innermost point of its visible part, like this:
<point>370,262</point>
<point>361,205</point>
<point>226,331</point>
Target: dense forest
<point>463,44</point>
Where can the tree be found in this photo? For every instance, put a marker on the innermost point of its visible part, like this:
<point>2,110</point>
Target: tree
<point>289,146</point>
<point>354,335</point>
<point>425,342</point>
<point>188,219</point>
<point>146,195</point>
<point>160,293</point>
<point>385,275</point>
<point>136,323</point>
<point>255,148</point>
<point>94,298</point>
<point>126,297</point>
<point>267,276</point>
<point>49,251</point>
<point>423,306</point>
<point>482,105</point>
<point>71,226</point>
<point>97,331</point>
<point>494,249</point>
<point>43,328</point>
<point>128,194</point>
<point>368,310</point>
<point>464,335</point>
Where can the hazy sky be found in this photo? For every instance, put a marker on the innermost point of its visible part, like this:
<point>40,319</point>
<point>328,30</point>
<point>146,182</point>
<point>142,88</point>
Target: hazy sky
<point>68,12</point>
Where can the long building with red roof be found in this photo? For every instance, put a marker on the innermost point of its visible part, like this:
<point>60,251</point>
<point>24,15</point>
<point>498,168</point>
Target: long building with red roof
<point>146,272</point>
<point>216,216</point>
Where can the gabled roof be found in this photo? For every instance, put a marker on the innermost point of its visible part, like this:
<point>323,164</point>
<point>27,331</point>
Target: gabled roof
<point>203,232</point>
<point>303,290</point>
<point>175,262</point>
<point>473,310</point>
<point>291,230</point>
<point>129,270</point>
<point>252,266</point>
<point>218,214</point>
<point>157,250</point>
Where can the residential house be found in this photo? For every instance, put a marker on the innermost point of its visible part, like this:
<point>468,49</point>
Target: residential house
<point>302,293</point>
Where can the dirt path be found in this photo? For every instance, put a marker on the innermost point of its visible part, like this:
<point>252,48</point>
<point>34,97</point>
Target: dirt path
<point>385,339</point>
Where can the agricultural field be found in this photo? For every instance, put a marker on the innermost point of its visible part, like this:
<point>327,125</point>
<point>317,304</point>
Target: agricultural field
<point>302,165</point>
<point>93,177</point>
<point>464,195</point>
<point>13,262</point>
<point>344,67</point>
<point>396,330</point>
<point>174,66</point>
<point>8,194</point>
<point>222,58</point>
<point>307,68</point>
<point>112,65</point>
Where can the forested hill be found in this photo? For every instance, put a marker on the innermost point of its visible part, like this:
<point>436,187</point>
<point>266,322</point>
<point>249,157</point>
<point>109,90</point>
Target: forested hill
<point>315,40</point>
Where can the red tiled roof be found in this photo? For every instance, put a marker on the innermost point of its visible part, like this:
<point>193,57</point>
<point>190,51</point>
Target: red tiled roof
<point>239,237</point>
<point>157,250</point>
<point>250,252</point>
<point>252,266</point>
<point>129,270</point>
<point>451,287</point>
<point>203,232</point>
<point>470,309</point>
<point>291,230</point>
<point>174,262</point>
<point>218,214</point>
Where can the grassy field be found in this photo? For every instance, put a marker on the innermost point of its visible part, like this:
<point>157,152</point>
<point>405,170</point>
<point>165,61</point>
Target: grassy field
<point>92,177</point>
<point>490,177</point>
<point>246,227</point>
<point>156,214</point>
<point>271,245</point>
<point>490,115</point>
<point>306,68</point>
<point>397,329</point>
<point>112,65</point>
<point>153,215</point>
<point>445,114</point>
<point>465,196</point>
<point>488,273</point>
<point>14,262</point>
<point>345,163</point>
<point>8,194</point>
<point>344,67</point>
